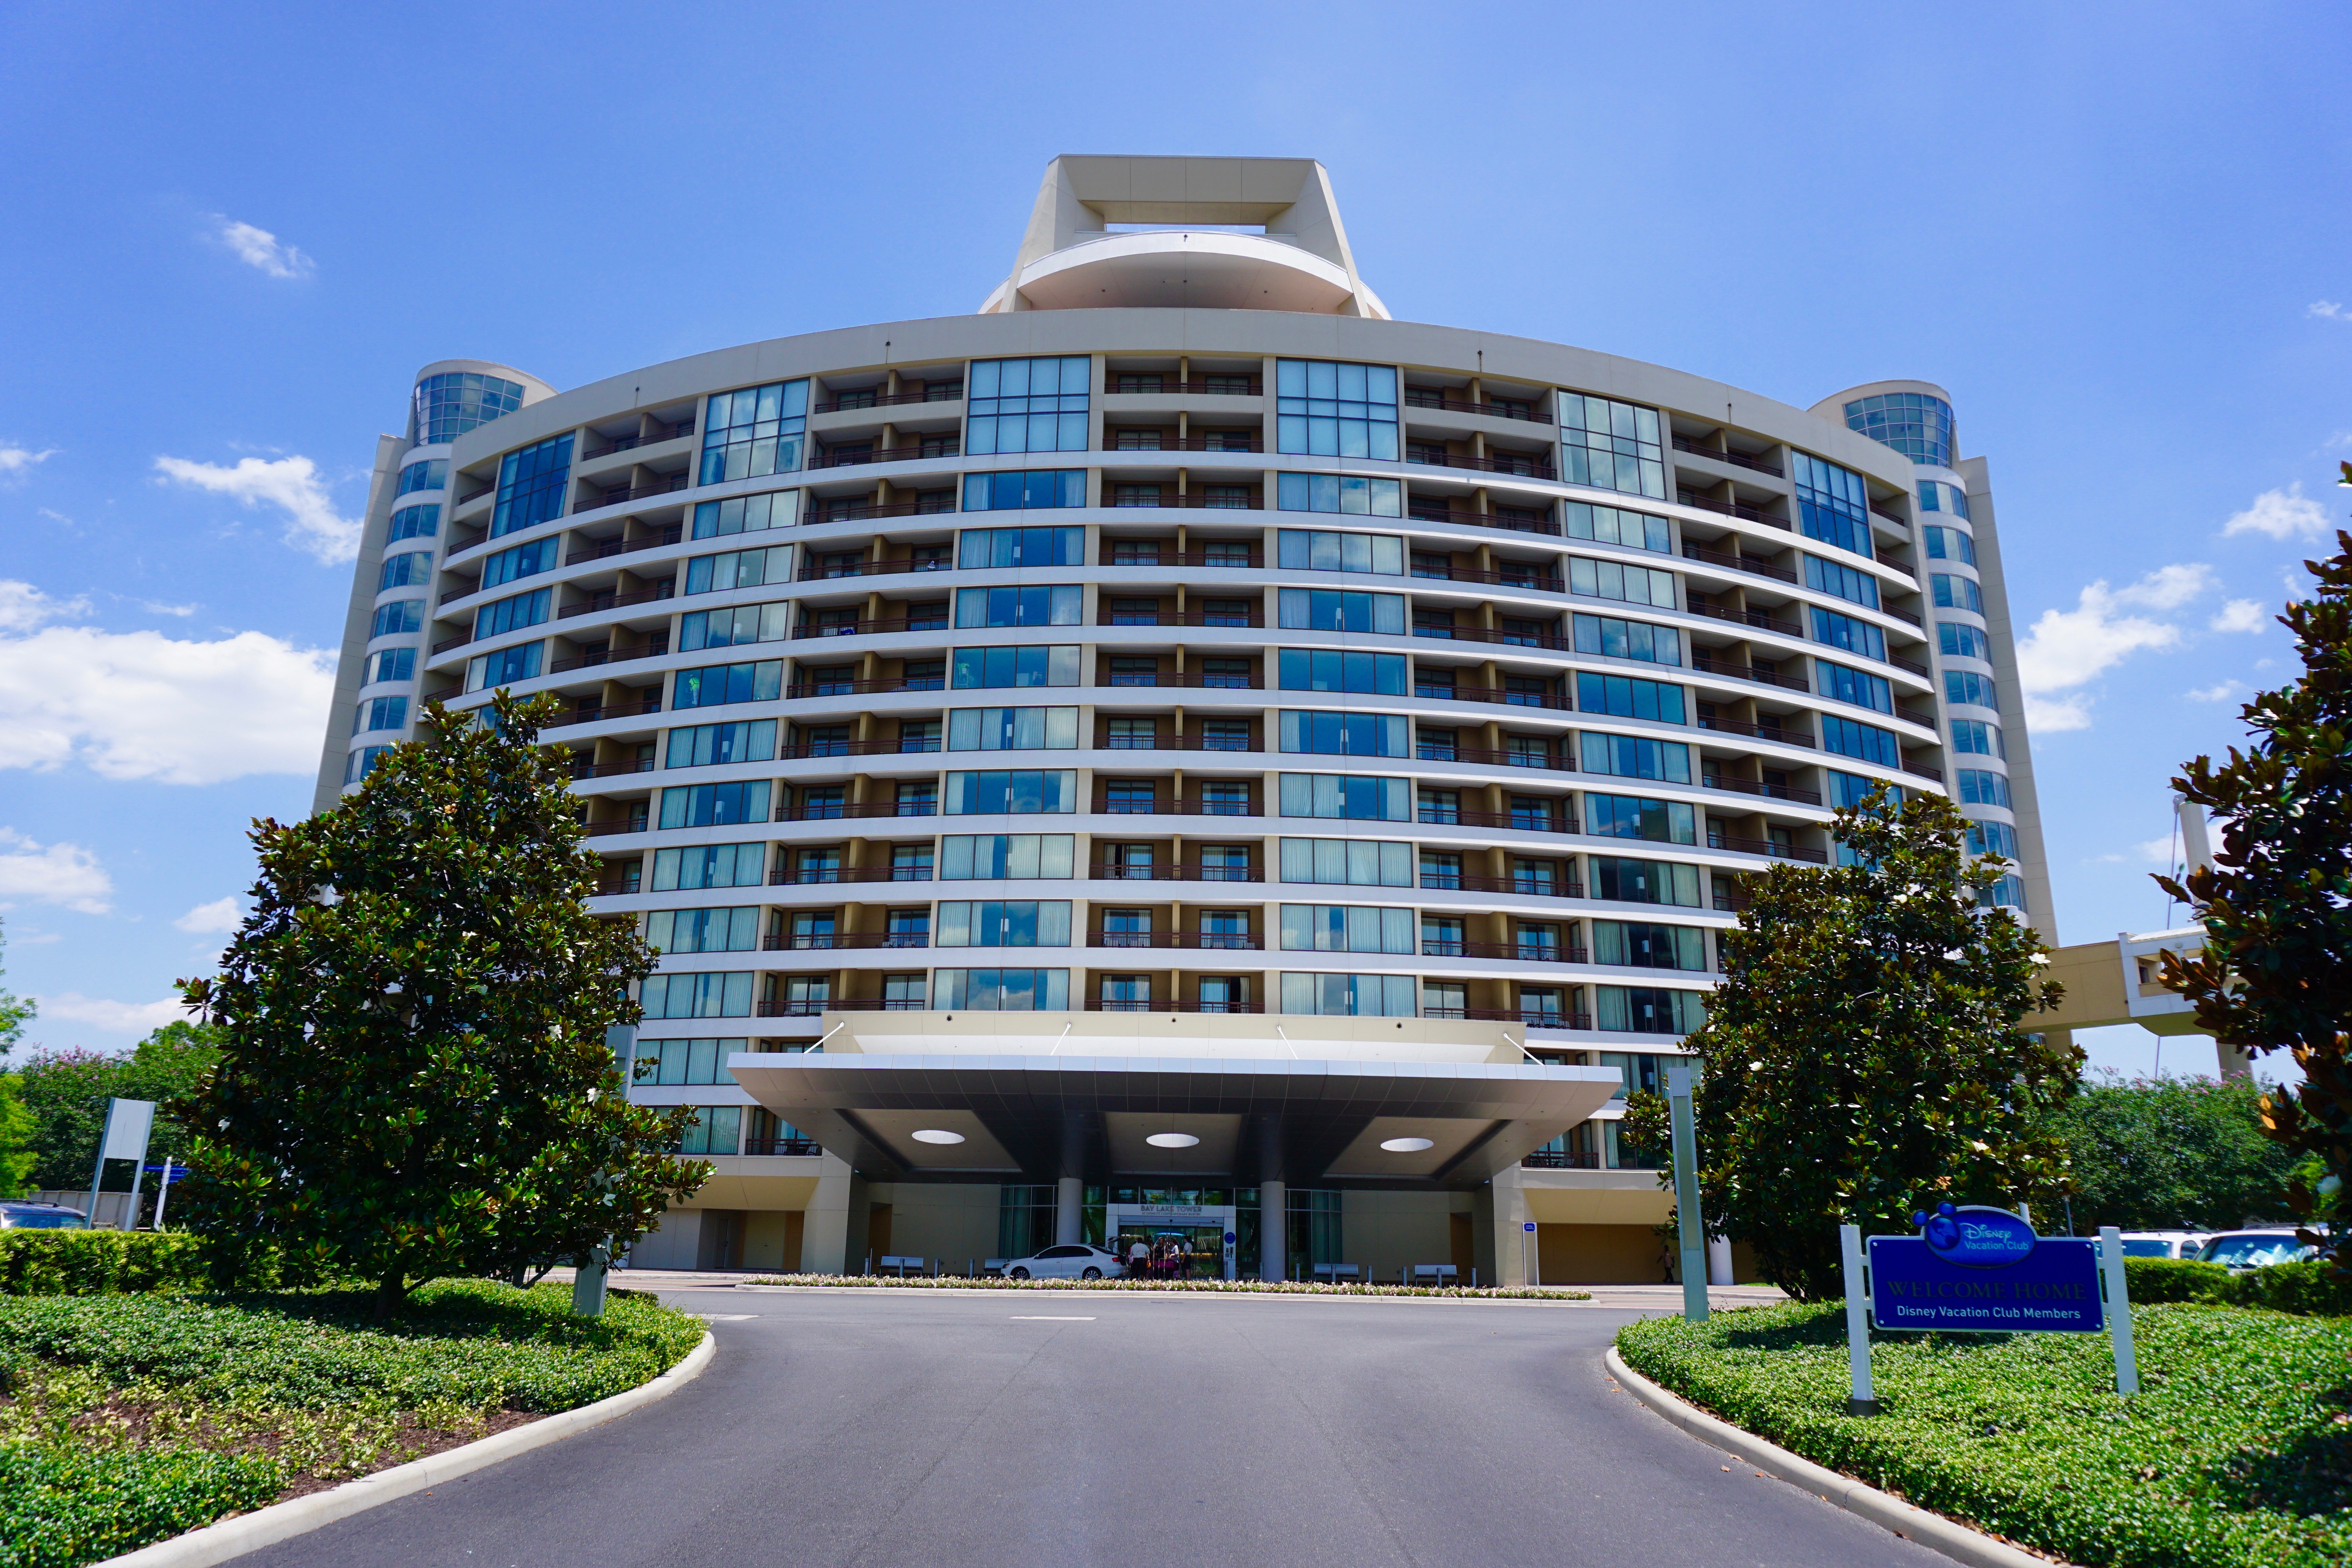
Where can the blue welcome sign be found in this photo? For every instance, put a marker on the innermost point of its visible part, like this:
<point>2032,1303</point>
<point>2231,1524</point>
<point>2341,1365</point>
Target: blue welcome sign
<point>1983,1270</point>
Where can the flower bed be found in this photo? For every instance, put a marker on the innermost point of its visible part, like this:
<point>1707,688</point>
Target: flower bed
<point>1182,1287</point>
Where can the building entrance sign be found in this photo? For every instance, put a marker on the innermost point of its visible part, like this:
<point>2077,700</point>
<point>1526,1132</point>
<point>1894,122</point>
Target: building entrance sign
<point>1174,1241</point>
<point>1981,1270</point>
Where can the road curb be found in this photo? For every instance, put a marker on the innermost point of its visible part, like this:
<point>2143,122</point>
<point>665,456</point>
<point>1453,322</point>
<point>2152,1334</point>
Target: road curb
<point>1932,1530</point>
<point>282,1521</point>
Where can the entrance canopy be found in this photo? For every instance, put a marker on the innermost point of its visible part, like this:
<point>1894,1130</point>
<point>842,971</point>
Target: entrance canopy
<point>1347,1107</point>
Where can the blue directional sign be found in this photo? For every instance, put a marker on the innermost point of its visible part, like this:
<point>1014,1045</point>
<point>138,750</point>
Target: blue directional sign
<point>1983,1270</point>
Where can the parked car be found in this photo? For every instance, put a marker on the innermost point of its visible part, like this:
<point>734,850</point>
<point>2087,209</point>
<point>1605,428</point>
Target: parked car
<point>2239,1250</point>
<point>2162,1243</point>
<point>1073,1262</point>
<point>15,1215</point>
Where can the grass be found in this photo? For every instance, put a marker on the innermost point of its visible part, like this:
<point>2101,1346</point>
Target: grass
<point>129,1418</point>
<point>2236,1454</point>
<point>1194,1286</point>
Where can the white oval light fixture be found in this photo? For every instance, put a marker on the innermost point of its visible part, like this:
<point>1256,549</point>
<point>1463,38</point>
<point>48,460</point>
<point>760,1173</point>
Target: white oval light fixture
<point>936,1135</point>
<point>1171,1140</point>
<point>1405,1145</point>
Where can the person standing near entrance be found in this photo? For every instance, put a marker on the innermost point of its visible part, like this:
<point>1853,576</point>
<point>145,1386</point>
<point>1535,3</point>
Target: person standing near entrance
<point>1136,1255</point>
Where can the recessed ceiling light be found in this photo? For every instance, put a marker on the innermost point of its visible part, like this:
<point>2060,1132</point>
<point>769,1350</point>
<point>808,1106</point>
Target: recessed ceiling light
<point>1400,1145</point>
<point>1171,1140</point>
<point>936,1135</point>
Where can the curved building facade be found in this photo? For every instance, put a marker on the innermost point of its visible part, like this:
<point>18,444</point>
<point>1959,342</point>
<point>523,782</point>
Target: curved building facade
<point>1181,660</point>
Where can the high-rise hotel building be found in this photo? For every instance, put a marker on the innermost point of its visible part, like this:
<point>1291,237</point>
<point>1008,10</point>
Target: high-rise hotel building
<point>1179,753</point>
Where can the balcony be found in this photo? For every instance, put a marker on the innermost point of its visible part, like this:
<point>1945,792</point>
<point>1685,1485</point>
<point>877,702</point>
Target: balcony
<point>1109,873</point>
<point>1254,619</point>
<point>1443,633</point>
<point>1197,682</point>
<point>825,876</point>
<point>1923,771</point>
<point>904,745</point>
<point>1449,517</point>
<point>587,502</point>
<point>581,768</point>
<point>1768,790</point>
<point>1730,509</point>
<point>763,1148</point>
<point>1499,695</point>
<point>1737,459</point>
<point>1149,385</point>
<point>1539,582</point>
<point>1193,806</point>
<point>606,656</point>
<point>1524,467</point>
<point>609,601</point>
<point>1703,665</point>
<point>858,511</point>
<point>1438,751</point>
<point>1200,941</point>
<point>832,940</point>
<point>1533,1018</point>
<point>631,443</point>
<point>1562,1160</point>
<point>938,623</point>
<point>843,811</point>
<point>1737,563</point>
<point>1521,886</point>
<point>844,401</point>
<point>1911,664</point>
<point>858,688</point>
<point>609,548</point>
<point>1454,816</point>
<point>1517,951</point>
<point>592,715</point>
<point>1236,442</point>
<point>1251,562</point>
<point>1415,397</point>
<point>1195,500</point>
<point>1755,618</point>
<point>1758,732</point>
<point>809,574</point>
<point>855,457</point>
<point>635,823</point>
<point>1194,743</point>
<point>1096,1004</point>
<point>1773,848</point>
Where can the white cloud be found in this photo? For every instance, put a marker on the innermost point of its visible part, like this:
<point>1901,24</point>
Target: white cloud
<point>140,705</point>
<point>259,247</point>
<point>57,873</point>
<point>24,606</point>
<point>16,460</point>
<point>2240,615</point>
<point>152,608</point>
<point>220,916</point>
<point>2221,691</point>
<point>2156,851</point>
<point>2281,514</point>
<point>291,484</point>
<point>2328,311</point>
<point>2066,649</point>
<point>117,1018</point>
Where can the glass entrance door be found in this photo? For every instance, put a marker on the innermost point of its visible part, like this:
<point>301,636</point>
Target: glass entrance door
<point>1191,1245</point>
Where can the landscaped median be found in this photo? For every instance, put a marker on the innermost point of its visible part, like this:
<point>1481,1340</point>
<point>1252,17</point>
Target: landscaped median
<point>129,1418</point>
<point>1176,1287</point>
<point>2237,1451</point>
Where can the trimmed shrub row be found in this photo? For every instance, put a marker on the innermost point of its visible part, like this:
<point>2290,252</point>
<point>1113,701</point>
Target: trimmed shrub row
<point>99,1262</point>
<point>2312,1290</point>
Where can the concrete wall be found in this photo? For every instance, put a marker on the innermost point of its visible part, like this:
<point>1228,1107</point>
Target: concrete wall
<point>1384,1232</point>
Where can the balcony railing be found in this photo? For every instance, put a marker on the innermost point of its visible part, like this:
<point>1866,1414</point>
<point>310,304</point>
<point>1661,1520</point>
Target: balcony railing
<point>825,876</point>
<point>1454,816</point>
<point>1449,517</point>
<point>1755,618</point>
<point>1524,411</point>
<point>1438,751</point>
<point>610,601</point>
<point>1562,1160</point>
<point>830,941</point>
<point>1737,563</point>
<point>1522,887</point>
<point>1729,508</point>
<point>631,443</point>
<point>1518,952</point>
<point>859,687</point>
<point>1894,517</point>
<point>1538,581</point>
<point>1525,467</point>
<point>1904,616</point>
<point>1535,1017</point>
<point>1773,848</point>
<point>800,751</point>
<point>946,392</point>
<point>606,549</point>
<point>1703,665</point>
<point>938,623</point>
<point>1192,742</point>
<point>1501,695</point>
<point>470,497</point>
<point>1201,941</point>
<point>1912,665</point>
<point>1108,873</point>
<point>858,811</point>
<point>669,486</point>
<point>1235,443</point>
<point>1097,1005</point>
<point>1923,771</point>
<point>1251,562</point>
<point>1737,459</point>
<point>592,715</point>
<point>1479,635</point>
<point>1193,807</point>
<point>1786,737</point>
<point>1768,790</point>
<point>581,768</point>
<point>855,457</point>
<point>813,573</point>
<point>604,657</point>
<point>858,511</point>
<point>1254,619</point>
<point>1170,386</point>
<point>1913,716</point>
<point>763,1148</point>
<point>1195,500</point>
<point>1198,683</point>
<point>633,823</point>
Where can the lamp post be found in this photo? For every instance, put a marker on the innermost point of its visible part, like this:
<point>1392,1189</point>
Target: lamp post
<point>1690,1228</point>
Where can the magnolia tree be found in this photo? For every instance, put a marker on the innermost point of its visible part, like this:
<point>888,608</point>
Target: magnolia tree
<point>1867,1054</point>
<point>2276,971</point>
<point>415,1078</point>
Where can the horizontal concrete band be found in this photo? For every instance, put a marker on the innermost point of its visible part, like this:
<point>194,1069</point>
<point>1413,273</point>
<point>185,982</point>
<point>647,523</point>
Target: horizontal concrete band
<point>1955,1541</point>
<point>280,1522</point>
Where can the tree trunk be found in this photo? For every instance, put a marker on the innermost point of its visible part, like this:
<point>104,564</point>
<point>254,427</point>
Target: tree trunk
<point>390,1292</point>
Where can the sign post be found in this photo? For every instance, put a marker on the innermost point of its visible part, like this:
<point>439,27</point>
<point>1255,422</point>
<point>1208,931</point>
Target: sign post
<point>128,1123</point>
<point>1860,1400</point>
<point>1526,1237</point>
<point>2119,1324</point>
<point>1690,1227</point>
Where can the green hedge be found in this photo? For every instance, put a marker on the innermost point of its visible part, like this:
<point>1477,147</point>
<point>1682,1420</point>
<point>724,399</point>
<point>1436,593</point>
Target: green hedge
<point>99,1262</point>
<point>2314,1289</point>
<point>2150,1280</point>
<point>61,1507</point>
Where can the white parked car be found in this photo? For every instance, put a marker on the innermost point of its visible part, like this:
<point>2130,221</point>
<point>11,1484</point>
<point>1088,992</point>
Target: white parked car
<point>2239,1250</point>
<point>2162,1243</point>
<point>1073,1262</point>
<point>17,1216</point>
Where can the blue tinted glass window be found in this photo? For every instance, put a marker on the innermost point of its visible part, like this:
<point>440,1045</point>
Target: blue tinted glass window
<point>512,615</point>
<point>1346,796</point>
<point>707,746</point>
<point>1979,738</point>
<point>432,474</point>
<point>1027,405</point>
<point>1321,550</point>
<point>1613,639</point>
<point>1845,582</point>
<point>734,627</point>
<point>1636,757</point>
<point>414,523</point>
<point>405,615</point>
<point>1328,409</point>
<point>1341,610</point>
<point>1608,525</point>
<point>404,571</point>
<point>752,431</point>
<point>1992,838</point>
<point>1868,741</point>
<point>714,806</point>
<point>531,484</point>
<point>985,547</point>
<point>1979,786</point>
<point>445,406</point>
<point>361,762</point>
<point>744,514</point>
<point>1848,633</point>
<point>1345,734</point>
<point>1914,424</point>
<point>1038,606</point>
<point>1012,790</point>
<point>1616,880</point>
<point>503,667</point>
<point>1954,592</point>
<point>381,713</point>
<point>712,685</point>
<point>977,669</point>
<point>1638,816</point>
<point>1615,580</point>
<point>1339,494</point>
<point>1857,687</point>
<point>739,569</point>
<point>393,664</point>
<point>1967,687</point>
<point>1832,503</point>
<point>522,561</point>
<point>1332,670</point>
<point>1850,789</point>
<point>1024,490</point>
<point>1001,990</point>
<point>1623,696</point>
<point>1612,445</point>
<point>1951,544</point>
<point>1959,640</point>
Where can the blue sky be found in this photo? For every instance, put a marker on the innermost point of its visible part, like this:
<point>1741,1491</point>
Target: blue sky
<point>2117,234</point>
